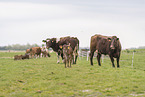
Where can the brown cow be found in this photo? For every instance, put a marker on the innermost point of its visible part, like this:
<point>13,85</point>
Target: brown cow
<point>18,57</point>
<point>21,57</point>
<point>45,53</point>
<point>68,55</point>
<point>27,51</point>
<point>26,56</point>
<point>35,51</point>
<point>56,44</point>
<point>74,43</point>
<point>105,45</point>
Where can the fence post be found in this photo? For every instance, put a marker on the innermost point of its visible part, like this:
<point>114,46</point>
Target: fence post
<point>88,55</point>
<point>132,59</point>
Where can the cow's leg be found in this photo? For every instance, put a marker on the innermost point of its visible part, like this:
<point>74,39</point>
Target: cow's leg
<point>98,58</point>
<point>65,62</point>
<point>118,62</point>
<point>62,57</point>
<point>76,56</point>
<point>69,62</point>
<point>112,60</point>
<point>58,54</point>
<point>91,57</point>
<point>73,58</point>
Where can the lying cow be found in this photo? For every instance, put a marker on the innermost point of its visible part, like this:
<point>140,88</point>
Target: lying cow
<point>26,56</point>
<point>35,51</point>
<point>18,57</point>
<point>21,57</point>
<point>105,45</point>
<point>68,55</point>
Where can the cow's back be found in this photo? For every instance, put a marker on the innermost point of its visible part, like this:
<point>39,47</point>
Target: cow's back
<point>35,50</point>
<point>94,42</point>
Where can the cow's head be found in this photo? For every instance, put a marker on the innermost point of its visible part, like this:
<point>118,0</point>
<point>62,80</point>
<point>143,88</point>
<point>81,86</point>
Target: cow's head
<point>114,42</point>
<point>50,42</point>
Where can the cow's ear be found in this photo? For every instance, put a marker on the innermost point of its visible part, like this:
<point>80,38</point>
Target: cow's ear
<point>43,40</point>
<point>109,39</point>
<point>117,38</point>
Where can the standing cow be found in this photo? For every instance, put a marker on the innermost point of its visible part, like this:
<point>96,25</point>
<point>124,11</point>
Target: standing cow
<point>68,55</point>
<point>56,44</point>
<point>74,43</point>
<point>53,43</point>
<point>105,45</point>
<point>35,51</point>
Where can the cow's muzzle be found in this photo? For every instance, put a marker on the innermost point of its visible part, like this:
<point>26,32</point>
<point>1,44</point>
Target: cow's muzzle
<point>112,47</point>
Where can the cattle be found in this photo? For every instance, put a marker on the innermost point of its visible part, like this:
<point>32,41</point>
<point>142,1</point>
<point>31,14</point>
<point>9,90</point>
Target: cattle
<point>35,51</point>
<point>53,43</point>
<point>105,45</point>
<point>68,55</point>
<point>26,56</point>
<point>44,52</point>
<point>27,51</point>
<point>56,44</point>
<point>21,57</point>
<point>74,43</point>
<point>18,57</point>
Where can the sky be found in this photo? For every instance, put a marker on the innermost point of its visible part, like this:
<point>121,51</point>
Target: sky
<point>31,21</point>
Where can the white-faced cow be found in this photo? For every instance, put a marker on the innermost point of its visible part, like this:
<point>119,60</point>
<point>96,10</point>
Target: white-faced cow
<point>105,45</point>
<point>53,43</point>
<point>56,44</point>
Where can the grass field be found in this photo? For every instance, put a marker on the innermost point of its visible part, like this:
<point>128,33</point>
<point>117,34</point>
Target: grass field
<point>43,77</point>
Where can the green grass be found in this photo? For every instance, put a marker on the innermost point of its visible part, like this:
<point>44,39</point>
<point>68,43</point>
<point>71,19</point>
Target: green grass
<point>43,77</point>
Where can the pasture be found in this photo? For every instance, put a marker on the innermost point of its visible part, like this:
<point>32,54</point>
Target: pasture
<point>44,77</point>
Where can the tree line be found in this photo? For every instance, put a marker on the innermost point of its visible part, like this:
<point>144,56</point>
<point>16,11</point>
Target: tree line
<point>18,47</point>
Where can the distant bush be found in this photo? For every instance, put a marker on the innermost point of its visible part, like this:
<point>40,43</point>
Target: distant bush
<point>18,47</point>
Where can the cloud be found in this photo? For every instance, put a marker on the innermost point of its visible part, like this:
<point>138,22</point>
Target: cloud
<point>23,22</point>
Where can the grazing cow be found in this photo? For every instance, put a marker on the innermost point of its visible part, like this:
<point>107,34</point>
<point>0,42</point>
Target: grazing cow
<point>105,45</point>
<point>45,53</point>
<point>35,51</point>
<point>74,43</point>
<point>53,43</point>
<point>68,55</point>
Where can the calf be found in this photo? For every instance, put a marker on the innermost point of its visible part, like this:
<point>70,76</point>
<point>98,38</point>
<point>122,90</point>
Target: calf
<point>26,56</point>
<point>68,55</point>
<point>18,57</point>
<point>21,57</point>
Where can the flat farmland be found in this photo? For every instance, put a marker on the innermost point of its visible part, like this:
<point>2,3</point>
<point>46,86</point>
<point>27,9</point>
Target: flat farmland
<point>43,77</point>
